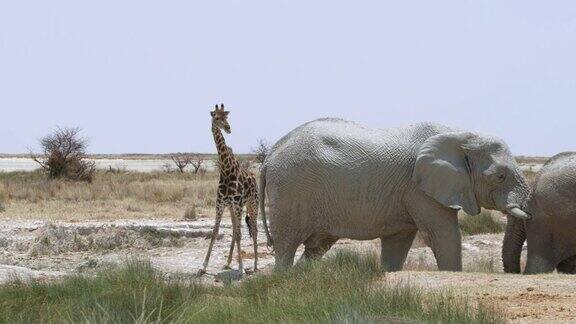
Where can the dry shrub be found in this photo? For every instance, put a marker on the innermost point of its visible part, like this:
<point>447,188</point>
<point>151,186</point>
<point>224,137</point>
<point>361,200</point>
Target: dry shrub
<point>181,161</point>
<point>197,162</point>
<point>64,155</point>
<point>261,150</point>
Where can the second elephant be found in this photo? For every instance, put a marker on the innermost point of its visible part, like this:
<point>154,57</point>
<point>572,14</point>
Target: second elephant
<point>551,233</point>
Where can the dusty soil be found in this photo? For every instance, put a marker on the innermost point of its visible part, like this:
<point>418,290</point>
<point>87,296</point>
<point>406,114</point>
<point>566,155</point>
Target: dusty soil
<point>542,298</point>
<point>40,249</point>
<point>44,250</point>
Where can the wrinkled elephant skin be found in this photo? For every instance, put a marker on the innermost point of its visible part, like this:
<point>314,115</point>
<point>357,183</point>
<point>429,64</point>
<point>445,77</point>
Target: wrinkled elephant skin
<point>331,179</point>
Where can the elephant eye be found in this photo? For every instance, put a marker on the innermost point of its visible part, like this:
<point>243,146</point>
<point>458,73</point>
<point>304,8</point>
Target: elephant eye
<point>501,177</point>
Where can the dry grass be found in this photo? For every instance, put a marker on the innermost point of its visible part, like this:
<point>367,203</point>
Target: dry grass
<point>110,196</point>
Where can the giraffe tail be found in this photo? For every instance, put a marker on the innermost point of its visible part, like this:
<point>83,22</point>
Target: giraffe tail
<point>262,199</point>
<point>249,224</point>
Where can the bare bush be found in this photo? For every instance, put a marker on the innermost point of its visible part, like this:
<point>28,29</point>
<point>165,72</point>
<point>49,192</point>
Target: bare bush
<point>245,164</point>
<point>196,162</point>
<point>261,150</point>
<point>181,160</point>
<point>64,155</point>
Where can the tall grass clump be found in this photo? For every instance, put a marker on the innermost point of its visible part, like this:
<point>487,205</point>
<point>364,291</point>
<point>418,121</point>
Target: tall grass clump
<point>344,288</point>
<point>485,222</point>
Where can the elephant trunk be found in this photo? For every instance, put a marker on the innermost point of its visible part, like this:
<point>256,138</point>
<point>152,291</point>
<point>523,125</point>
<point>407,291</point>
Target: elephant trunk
<point>512,247</point>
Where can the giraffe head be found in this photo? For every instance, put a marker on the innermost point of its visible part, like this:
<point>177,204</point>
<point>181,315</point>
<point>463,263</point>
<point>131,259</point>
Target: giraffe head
<point>220,118</point>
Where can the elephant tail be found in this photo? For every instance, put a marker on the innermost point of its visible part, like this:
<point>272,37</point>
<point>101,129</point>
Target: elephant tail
<point>262,196</point>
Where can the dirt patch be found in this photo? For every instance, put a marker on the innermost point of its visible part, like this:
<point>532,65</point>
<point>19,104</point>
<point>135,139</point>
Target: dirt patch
<point>54,239</point>
<point>176,247</point>
<point>548,298</point>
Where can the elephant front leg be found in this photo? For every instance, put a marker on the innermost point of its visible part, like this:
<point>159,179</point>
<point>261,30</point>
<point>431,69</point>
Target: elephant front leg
<point>447,248</point>
<point>440,224</point>
<point>394,249</point>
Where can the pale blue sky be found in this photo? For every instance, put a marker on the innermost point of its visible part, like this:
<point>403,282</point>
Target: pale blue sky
<point>141,76</point>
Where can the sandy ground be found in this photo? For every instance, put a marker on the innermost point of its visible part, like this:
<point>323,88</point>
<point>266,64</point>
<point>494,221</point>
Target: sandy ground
<point>43,250</point>
<point>547,298</point>
<point>10,164</point>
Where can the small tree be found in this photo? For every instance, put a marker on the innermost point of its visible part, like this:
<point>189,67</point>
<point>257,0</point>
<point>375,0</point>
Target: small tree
<point>197,161</point>
<point>64,155</point>
<point>181,160</point>
<point>261,150</point>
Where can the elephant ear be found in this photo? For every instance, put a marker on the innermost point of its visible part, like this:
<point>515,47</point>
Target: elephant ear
<point>443,171</point>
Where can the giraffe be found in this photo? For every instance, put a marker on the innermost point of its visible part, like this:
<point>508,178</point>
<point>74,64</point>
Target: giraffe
<point>236,188</point>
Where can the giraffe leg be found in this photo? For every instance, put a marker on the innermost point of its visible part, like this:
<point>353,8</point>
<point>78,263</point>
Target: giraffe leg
<point>232,241</point>
<point>230,253</point>
<point>252,211</point>
<point>237,236</point>
<point>215,230</point>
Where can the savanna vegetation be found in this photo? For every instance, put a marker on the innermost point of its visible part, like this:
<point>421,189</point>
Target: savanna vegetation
<point>345,288</point>
<point>111,194</point>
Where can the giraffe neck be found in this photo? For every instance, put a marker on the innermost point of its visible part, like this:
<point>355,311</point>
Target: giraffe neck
<point>224,155</point>
<point>219,140</point>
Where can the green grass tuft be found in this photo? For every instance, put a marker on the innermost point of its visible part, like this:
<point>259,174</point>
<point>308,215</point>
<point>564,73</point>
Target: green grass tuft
<point>485,222</point>
<point>344,288</point>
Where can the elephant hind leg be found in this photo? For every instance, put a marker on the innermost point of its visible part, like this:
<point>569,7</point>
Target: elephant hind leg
<point>316,246</point>
<point>394,249</point>
<point>567,266</point>
<point>285,253</point>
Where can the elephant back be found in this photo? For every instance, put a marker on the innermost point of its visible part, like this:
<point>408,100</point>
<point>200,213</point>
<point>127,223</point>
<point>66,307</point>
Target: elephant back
<point>556,182</point>
<point>329,147</point>
<point>341,141</point>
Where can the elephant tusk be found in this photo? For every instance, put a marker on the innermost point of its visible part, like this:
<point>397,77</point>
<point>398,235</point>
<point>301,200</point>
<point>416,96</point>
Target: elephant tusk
<point>519,213</point>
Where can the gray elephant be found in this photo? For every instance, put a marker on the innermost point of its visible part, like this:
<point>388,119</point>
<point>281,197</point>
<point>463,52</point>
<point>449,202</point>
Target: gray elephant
<point>550,233</point>
<point>331,179</point>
